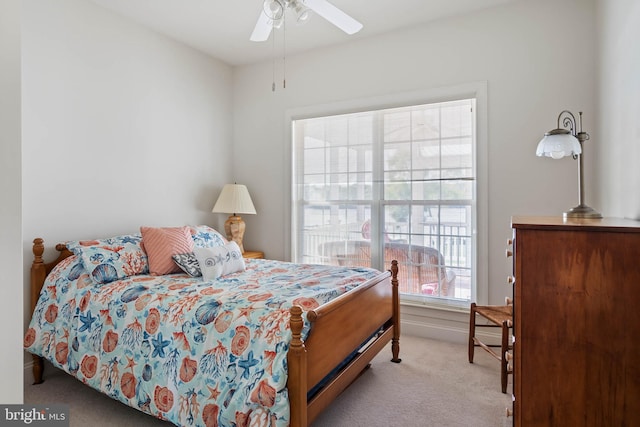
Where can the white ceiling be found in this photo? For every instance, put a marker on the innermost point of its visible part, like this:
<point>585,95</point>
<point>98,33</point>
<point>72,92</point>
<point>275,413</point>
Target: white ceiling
<point>222,28</point>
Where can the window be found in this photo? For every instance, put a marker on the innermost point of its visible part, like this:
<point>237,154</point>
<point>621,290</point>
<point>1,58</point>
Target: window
<point>396,183</point>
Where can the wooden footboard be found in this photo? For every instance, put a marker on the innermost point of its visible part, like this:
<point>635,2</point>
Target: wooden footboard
<point>369,313</point>
<point>337,329</point>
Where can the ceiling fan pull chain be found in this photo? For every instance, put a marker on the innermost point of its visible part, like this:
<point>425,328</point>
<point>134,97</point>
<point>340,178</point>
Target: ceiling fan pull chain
<point>284,53</point>
<point>273,61</point>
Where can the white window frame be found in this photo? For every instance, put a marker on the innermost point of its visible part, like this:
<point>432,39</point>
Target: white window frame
<point>477,90</point>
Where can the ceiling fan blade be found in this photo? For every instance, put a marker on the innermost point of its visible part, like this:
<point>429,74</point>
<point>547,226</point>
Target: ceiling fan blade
<point>334,15</point>
<point>262,29</point>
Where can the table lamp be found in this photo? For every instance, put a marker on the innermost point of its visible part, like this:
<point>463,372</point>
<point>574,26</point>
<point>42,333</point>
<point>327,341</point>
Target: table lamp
<point>234,199</point>
<point>568,141</point>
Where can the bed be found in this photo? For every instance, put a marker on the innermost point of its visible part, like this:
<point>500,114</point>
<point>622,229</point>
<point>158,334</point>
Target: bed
<point>266,345</point>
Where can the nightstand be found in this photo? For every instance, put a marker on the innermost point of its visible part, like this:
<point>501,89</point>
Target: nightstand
<point>253,254</point>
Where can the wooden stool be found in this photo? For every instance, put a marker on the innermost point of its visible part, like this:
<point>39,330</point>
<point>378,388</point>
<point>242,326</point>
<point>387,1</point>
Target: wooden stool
<point>500,317</point>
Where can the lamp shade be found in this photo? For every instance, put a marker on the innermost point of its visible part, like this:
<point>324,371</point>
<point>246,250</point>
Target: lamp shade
<point>557,144</point>
<point>234,199</point>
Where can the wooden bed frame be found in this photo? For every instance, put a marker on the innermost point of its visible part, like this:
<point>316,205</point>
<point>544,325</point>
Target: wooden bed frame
<point>338,328</point>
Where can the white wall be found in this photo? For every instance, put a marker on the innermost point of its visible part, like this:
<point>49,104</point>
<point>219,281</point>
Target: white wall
<point>537,58</point>
<point>10,208</point>
<point>122,127</point>
<point>618,142</point>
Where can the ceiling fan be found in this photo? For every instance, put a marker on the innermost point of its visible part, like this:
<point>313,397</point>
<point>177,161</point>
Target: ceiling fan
<point>273,11</point>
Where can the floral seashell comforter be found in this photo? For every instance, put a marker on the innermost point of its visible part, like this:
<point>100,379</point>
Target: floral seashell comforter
<point>192,352</point>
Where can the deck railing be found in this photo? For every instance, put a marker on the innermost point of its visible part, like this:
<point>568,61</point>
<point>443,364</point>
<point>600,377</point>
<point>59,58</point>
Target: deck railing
<point>452,240</point>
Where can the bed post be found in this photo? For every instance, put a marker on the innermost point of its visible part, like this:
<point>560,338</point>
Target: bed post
<point>297,367</point>
<point>395,341</point>
<point>38,275</point>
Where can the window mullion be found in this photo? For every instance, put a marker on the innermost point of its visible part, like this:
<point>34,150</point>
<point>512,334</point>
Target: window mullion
<point>377,202</point>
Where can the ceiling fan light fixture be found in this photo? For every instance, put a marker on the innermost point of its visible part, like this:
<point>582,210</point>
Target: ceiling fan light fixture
<point>277,23</point>
<point>274,9</point>
<point>303,13</point>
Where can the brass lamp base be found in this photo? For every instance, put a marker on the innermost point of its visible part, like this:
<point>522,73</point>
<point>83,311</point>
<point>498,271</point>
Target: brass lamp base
<point>582,211</point>
<point>234,228</point>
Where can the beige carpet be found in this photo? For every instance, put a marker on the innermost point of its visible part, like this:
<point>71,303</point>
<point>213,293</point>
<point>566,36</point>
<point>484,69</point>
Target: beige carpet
<point>433,386</point>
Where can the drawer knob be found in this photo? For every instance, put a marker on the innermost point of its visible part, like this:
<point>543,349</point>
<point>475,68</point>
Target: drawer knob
<point>508,301</point>
<point>509,412</point>
<point>509,358</point>
<point>509,253</point>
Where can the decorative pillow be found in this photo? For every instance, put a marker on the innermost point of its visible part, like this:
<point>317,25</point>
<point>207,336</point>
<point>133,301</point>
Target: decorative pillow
<point>188,263</point>
<point>161,243</point>
<point>220,260</point>
<point>111,259</point>
<point>206,237</point>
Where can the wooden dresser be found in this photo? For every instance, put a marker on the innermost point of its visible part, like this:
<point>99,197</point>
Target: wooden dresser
<point>576,322</point>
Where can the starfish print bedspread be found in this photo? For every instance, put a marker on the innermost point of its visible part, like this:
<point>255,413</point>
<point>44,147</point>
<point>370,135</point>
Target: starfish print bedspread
<point>193,352</point>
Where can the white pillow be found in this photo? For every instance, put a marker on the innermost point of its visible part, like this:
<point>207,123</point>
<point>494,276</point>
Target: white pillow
<point>219,260</point>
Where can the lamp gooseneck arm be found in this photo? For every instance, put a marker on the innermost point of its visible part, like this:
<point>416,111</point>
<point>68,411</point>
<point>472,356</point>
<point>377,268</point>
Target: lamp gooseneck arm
<point>569,121</point>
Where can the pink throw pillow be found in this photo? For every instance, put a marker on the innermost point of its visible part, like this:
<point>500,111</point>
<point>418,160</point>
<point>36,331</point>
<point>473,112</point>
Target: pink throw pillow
<point>161,244</point>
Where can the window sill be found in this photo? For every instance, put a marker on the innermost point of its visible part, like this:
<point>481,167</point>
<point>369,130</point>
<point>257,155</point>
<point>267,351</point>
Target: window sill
<point>456,307</point>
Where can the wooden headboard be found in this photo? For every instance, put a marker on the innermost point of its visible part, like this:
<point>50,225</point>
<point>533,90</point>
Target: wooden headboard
<point>39,272</point>
<point>40,269</point>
